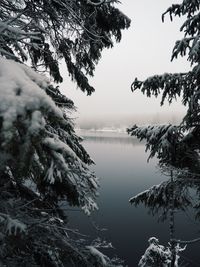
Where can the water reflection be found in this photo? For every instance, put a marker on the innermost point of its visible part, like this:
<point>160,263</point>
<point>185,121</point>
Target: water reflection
<point>110,138</point>
<point>124,172</point>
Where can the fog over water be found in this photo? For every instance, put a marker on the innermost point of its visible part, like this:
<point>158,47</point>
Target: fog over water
<point>121,162</point>
<point>121,122</point>
<point>145,50</point>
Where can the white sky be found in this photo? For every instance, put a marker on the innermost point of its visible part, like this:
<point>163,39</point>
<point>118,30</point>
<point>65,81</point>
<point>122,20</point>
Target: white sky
<point>145,50</point>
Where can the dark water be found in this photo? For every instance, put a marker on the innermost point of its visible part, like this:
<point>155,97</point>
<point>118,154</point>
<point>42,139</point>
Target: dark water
<point>121,163</point>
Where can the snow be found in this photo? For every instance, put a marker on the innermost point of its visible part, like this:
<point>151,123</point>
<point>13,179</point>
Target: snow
<point>95,252</point>
<point>149,192</point>
<point>90,206</point>
<point>56,144</point>
<point>158,254</point>
<point>15,30</point>
<point>37,122</point>
<point>22,91</point>
<point>28,116</point>
<point>12,226</point>
<point>50,174</point>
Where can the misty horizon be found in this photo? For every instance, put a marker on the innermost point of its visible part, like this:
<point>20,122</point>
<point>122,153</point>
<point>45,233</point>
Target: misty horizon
<point>119,121</point>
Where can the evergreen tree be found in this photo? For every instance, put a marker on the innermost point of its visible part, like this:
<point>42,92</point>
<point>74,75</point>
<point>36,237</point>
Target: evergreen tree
<point>46,31</point>
<point>42,161</point>
<point>165,201</point>
<point>177,145</point>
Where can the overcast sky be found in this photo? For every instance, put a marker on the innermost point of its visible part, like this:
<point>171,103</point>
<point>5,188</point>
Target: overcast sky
<point>145,50</point>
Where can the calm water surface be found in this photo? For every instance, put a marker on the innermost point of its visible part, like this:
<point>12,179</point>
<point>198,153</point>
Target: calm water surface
<point>121,163</point>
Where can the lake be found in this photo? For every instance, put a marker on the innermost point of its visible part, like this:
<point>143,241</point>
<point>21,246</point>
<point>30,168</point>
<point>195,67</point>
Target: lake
<point>121,164</point>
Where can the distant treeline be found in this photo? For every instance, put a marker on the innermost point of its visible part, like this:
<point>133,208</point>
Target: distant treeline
<point>123,121</point>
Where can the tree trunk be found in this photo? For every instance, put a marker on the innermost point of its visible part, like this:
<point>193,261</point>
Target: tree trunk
<point>172,224</point>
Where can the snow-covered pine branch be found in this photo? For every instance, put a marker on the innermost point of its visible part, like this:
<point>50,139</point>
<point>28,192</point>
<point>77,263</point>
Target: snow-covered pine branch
<point>45,32</point>
<point>157,197</point>
<point>38,141</point>
<point>42,161</point>
<point>12,226</point>
<point>186,86</point>
<point>187,7</point>
<point>171,144</point>
<point>170,85</point>
<point>159,255</point>
<point>161,139</point>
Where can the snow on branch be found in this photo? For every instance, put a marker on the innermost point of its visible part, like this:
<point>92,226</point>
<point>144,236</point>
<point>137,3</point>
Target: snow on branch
<point>100,256</point>
<point>100,2</point>
<point>181,146</point>
<point>171,86</point>
<point>161,139</point>
<point>159,255</point>
<point>12,226</point>
<point>172,144</point>
<point>187,7</point>
<point>37,32</point>
<point>35,131</point>
<point>157,197</point>
<point>101,259</point>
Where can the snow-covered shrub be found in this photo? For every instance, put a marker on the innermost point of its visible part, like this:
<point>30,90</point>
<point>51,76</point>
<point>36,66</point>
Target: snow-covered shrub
<point>157,255</point>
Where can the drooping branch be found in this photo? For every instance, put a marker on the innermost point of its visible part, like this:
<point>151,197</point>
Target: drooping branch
<point>187,241</point>
<point>38,31</point>
<point>97,3</point>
